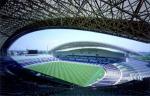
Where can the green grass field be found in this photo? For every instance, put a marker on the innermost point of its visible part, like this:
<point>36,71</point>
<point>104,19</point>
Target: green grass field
<point>77,73</point>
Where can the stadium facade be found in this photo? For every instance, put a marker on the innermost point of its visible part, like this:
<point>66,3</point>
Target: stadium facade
<point>83,51</point>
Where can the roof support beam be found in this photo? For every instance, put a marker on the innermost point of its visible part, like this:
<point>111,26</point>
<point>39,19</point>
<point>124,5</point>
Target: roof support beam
<point>135,14</point>
<point>122,10</point>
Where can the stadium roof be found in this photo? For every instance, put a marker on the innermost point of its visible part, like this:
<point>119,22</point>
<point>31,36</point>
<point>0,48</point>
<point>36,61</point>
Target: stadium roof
<point>91,44</point>
<point>124,18</point>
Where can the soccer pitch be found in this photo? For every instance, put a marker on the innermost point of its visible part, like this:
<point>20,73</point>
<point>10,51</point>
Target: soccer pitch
<point>76,73</point>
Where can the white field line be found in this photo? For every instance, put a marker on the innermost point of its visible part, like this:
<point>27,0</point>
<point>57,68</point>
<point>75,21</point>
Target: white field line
<point>90,64</point>
<point>119,78</point>
<point>100,78</point>
<point>64,62</point>
<point>39,63</point>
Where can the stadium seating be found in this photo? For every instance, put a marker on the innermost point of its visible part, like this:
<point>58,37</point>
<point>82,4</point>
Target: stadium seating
<point>124,72</point>
<point>91,59</point>
<point>111,77</point>
<point>113,74</point>
<point>133,70</point>
<point>15,86</point>
<point>36,60</point>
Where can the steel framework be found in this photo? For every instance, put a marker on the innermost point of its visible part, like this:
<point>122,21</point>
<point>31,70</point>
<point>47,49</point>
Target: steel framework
<point>124,18</point>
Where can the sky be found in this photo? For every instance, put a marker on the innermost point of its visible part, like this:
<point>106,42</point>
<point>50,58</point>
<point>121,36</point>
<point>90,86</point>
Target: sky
<point>50,38</point>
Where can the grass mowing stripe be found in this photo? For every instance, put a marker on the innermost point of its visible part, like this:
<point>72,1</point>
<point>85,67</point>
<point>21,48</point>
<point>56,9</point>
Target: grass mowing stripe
<point>46,69</point>
<point>55,70</point>
<point>80,78</point>
<point>72,77</point>
<point>75,75</point>
<point>66,72</point>
<point>52,69</point>
<point>63,74</point>
<point>59,71</point>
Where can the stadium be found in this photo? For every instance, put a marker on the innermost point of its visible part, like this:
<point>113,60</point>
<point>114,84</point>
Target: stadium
<point>78,66</point>
<point>70,62</point>
<point>81,64</point>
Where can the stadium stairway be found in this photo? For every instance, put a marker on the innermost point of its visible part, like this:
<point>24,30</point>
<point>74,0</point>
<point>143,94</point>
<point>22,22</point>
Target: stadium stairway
<point>112,75</point>
<point>133,70</point>
<point>128,73</point>
<point>141,67</point>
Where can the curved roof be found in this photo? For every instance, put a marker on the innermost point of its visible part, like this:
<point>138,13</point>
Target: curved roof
<point>124,18</point>
<point>91,44</point>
